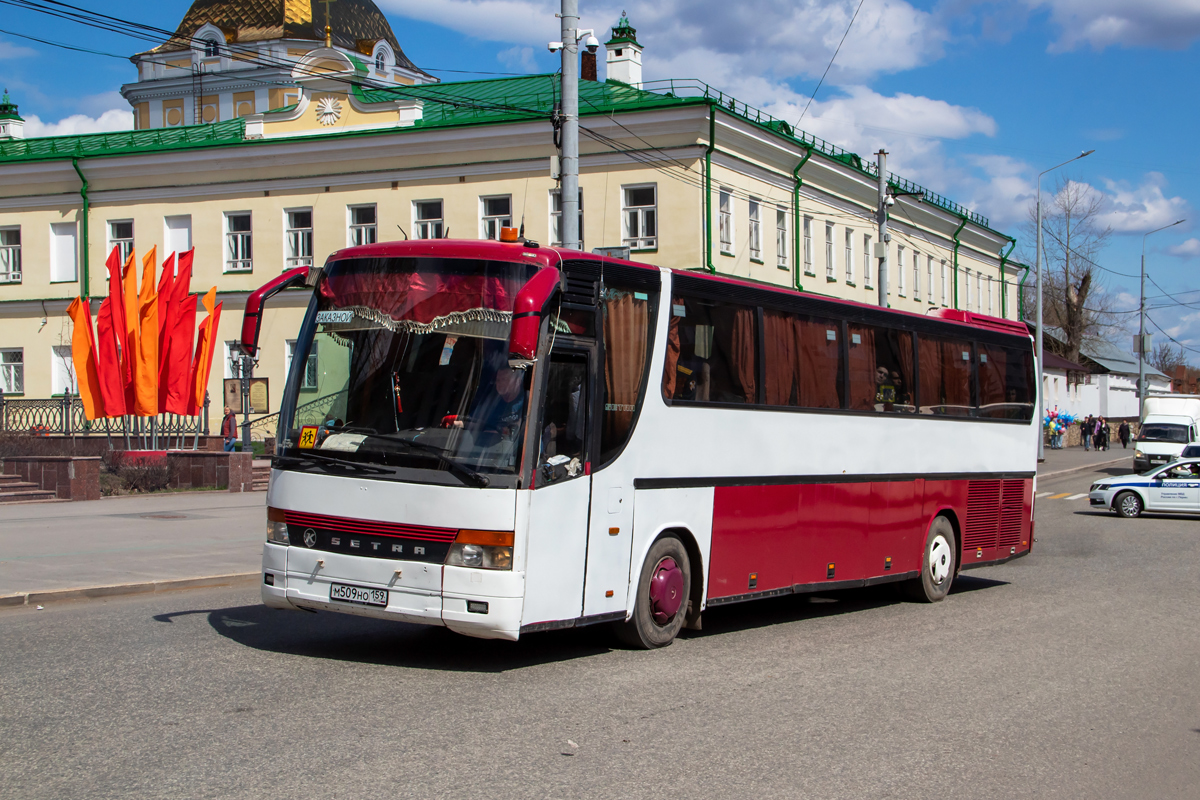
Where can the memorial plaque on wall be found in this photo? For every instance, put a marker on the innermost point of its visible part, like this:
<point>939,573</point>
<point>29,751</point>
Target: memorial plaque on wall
<point>260,396</point>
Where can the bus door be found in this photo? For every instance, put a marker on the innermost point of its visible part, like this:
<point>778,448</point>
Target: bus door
<point>559,502</point>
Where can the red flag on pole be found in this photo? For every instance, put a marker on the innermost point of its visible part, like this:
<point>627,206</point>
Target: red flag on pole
<point>129,342</point>
<point>112,385</point>
<point>116,293</point>
<point>183,332</point>
<point>166,323</point>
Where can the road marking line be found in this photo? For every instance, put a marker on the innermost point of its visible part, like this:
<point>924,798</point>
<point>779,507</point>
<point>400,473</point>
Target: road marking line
<point>1078,496</point>
<point>1060,496</point>
<point>1045,494</point>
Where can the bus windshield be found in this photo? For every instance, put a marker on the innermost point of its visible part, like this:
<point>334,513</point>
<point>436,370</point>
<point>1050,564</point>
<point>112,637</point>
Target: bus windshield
<point>403,365</point>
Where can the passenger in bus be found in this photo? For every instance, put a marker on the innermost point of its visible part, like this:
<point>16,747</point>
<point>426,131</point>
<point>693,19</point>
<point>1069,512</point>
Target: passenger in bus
<point>885,390</point>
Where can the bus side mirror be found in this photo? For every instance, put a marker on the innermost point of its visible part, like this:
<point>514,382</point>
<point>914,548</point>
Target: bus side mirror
<point>528,309</point>
<point>252,318</point>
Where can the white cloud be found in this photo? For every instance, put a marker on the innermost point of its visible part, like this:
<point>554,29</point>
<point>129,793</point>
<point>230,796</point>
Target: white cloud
<point>518,59</point>
<point>1137,209</point>
<point>1188,249</point>
<point>10,50</point>
<point>1098,24</point>
<point>116,119</point>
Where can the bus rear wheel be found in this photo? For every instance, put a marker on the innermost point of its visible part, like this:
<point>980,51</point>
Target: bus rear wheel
<point>662,595</point>
<point>937,565</point>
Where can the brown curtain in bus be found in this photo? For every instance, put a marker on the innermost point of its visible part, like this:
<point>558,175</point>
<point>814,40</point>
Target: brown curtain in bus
<point>625,325</point>
<point>930,377</point>
<point>669,369</point>
<point>818,363</point>
<point>862,368</point>
<point>993,388</point>
<point>957,375</point>
<point>905,354</point>
<point>743,352</point>
<point>781,340</point>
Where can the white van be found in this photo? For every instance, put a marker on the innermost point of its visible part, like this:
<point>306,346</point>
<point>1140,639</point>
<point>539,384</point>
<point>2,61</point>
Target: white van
<point>1169,424</point>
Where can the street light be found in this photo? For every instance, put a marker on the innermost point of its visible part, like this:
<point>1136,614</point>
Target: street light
<point>1041,369</point>
<point>1141,343</point>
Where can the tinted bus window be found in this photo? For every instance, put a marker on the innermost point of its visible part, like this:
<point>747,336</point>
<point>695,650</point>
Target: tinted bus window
<point>710,352</point>
<point>626,321</point>
<point>1005,382</point>
<point>945,376</point>
<point>881,369</point>
<point>803,361</point>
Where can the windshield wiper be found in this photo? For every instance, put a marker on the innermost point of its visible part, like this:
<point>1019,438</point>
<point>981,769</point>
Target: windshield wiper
<point>341,462</point>
<point>464,473</point>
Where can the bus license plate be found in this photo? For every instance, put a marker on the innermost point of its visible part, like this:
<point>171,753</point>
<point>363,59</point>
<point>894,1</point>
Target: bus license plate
<point>358,594</point>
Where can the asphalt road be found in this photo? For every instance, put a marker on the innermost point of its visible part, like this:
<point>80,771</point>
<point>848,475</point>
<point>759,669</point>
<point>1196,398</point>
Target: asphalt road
<point>1072,673</point>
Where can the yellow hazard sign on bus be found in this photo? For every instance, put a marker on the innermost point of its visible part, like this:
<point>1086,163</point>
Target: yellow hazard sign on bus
<point>308,437</point>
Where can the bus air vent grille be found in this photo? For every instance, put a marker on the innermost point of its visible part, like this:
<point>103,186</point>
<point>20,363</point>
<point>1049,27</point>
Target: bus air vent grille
<point>983,515</point>
<point>1012,506</point>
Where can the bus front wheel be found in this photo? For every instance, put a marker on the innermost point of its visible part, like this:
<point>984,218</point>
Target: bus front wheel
<point>937,565</point>
<point>662,595</point>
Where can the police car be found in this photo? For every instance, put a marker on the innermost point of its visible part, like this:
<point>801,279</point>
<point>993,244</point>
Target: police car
<point>1173,487</point>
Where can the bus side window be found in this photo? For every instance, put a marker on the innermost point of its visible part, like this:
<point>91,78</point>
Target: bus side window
<point>710,352</point>
<point>803,361</point>
<point>945,384</point>
<point>881,369</point>
<point>627,314</point>
<point>564,419</point>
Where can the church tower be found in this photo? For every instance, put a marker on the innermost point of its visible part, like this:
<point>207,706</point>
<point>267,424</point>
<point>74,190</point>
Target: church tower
<point>239,58</point>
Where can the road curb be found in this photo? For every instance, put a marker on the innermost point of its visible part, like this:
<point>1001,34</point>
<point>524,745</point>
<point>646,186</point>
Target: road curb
<point>1084,468</point>
<point>119,589</point>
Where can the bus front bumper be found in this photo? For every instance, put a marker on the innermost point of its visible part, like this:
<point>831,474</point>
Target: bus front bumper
<point>475,602</point>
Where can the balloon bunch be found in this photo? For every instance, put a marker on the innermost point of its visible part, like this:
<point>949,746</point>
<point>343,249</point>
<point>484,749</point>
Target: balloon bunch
<point>1056,424</point>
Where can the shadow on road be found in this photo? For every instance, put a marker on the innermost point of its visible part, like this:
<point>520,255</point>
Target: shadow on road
<point>348,638</point>
<point>1104,512</point>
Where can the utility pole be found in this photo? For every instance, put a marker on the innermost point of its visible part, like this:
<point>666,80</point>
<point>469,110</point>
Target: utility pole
<point>881,251</point>
<point>570,124</point>
<point>1141,340</point>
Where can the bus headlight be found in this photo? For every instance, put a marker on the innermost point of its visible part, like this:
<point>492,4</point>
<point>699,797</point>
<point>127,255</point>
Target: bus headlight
<point>277,531</point>
<point>481,549</point>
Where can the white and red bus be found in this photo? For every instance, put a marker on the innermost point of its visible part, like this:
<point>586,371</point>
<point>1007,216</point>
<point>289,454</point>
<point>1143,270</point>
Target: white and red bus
<point>502,438</point>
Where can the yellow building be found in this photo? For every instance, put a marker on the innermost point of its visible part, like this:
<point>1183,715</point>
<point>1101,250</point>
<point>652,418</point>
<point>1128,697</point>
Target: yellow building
<point>337,151</point>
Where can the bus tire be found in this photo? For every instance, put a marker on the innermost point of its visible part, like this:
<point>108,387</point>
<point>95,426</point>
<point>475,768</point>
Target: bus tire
<point>661,603</point>
<point>937,565</point>
<point>1128,505</point>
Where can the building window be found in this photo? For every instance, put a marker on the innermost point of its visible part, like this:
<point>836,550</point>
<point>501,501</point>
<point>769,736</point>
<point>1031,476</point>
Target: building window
<point>808,246</point>
<point>380,62</point>
<point>10,255</point>
<point>363,228</point>
<point>639,215</point>
<point>979,291</point>
<point>177,234</point>
<point>725,220</point>
<point>916,284</point>
<point>900,270</point>
<point>308,380</point>
<point>929,277</point>
<point>12,370</point>
<point>967,288</point>
<point>62,371</point>
<point>754,238</point>
<point>781,239</point>
<point>239,255</point>
<point>867,260</point>
<point>556,218</point>
<point>120,236</point>
<point>428,222</point>
<point>63,253</point>
<point>212,48</point>
<point>849,255</point>
<point>299,238</point>
<point>829,251</point>
<point>989,285</point>
<point>497,214</point>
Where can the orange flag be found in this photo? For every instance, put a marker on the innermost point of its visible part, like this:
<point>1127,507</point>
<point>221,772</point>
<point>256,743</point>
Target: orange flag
<point>145,372</point>
<point>83,354</point>
<point>129,341</point>
<point>205,344</point>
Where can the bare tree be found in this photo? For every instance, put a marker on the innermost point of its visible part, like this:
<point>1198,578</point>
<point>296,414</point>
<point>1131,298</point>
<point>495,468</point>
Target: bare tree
<point>1167,359</point>
<point>1074,298</point>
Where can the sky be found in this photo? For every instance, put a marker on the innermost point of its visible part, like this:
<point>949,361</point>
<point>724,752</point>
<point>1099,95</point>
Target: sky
<point>972,99</point>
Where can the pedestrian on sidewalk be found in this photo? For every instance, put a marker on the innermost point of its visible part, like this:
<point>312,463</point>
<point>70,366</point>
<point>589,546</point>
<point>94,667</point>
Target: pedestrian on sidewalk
<point>1102,434</point>
<point>229,429</point>
<point>1086,428</point>
<point>1123,434</point>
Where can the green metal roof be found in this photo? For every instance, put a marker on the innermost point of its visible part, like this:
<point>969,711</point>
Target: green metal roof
<point>123,143</point>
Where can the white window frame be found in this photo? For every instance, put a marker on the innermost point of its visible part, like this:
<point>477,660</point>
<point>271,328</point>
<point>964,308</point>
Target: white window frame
<point>830,274</point>
<point>490,224</point>
<point>297,240</point>
<point>556,218</point>
<point>10,255</point>
<point>808,246</point>
<point>754,232</point>
<point>867,260</point>
<point>239,244</point>
<point>429,227</point>
<point>61,272</point>
<point>849,255</point>
<point>989,288</point>
<point>900,270</point>
<point>916,284</point>
<point>639,223</point>
<point>124,244</point>
<point>781,238</point>
<point>979,291</point>
<point>311,365</point>
<point>62,371</point>
<point>360,233</point>
<point>12,370</point>
<point>967,288</point>
<point>725,220</point>
<point>172,225</point>
<point>945,286</point>
<point>929,278</point>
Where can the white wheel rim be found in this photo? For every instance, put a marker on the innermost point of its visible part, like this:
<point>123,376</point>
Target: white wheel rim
<point>1129,504</point>
<point>940,559</point>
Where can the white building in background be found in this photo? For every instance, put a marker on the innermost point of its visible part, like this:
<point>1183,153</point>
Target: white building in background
<point>1104,384</point>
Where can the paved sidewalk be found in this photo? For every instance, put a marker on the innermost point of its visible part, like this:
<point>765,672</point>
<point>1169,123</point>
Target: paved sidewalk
<point>130,540</point>
<point>1076,458</point>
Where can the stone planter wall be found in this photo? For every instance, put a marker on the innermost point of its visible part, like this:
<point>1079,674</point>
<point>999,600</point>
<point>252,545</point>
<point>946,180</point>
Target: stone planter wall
<point>69,477</point>
<point>198,469</point>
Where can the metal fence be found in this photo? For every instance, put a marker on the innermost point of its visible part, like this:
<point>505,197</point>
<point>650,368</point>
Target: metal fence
<point>310,413</point>
<point>64,416</point>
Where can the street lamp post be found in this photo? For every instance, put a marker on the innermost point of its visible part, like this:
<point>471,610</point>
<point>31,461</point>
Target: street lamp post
<point>1141,342</point>
<point>1041,448</point>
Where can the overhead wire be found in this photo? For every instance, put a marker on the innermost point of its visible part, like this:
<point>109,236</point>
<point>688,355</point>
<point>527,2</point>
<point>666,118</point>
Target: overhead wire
<point>833,58</point>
